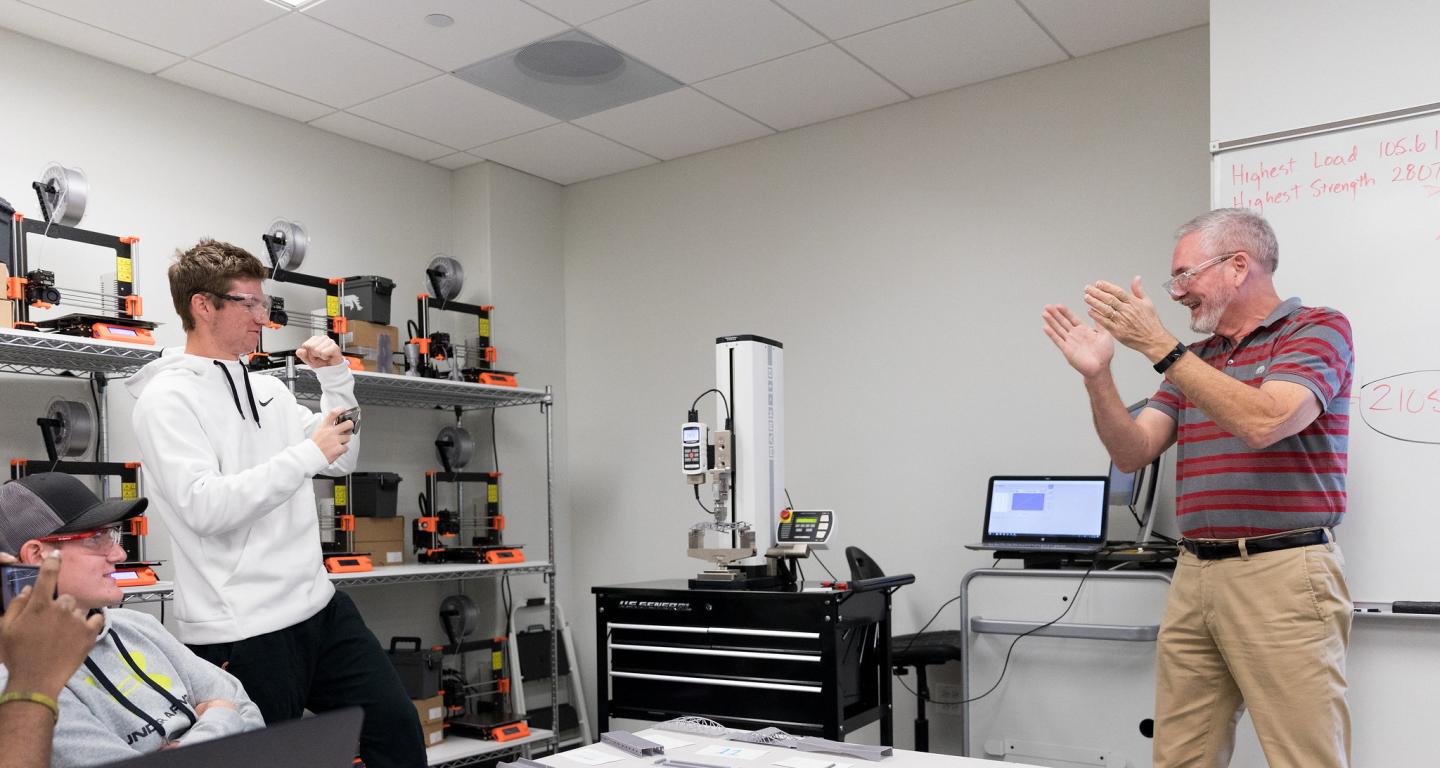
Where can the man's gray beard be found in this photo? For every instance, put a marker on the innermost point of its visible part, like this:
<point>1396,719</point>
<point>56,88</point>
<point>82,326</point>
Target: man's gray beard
<point>1207,321</point>
<point>1209,318</point>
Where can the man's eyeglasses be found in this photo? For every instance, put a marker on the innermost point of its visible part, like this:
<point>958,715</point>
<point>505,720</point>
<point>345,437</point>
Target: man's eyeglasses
<point>257,305</point>
<point>100,540</point>
<point>1177,285</point>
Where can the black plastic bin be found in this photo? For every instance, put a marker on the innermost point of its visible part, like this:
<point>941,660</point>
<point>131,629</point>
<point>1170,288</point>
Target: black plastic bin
<point>374,294</point>
<point>373,494</point>
<point>419,668</point>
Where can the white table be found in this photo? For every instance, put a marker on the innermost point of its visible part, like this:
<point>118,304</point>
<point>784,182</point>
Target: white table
<point>902,758</point>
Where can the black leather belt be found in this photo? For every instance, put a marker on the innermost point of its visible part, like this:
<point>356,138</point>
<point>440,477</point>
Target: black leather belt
<point>1219,549</point>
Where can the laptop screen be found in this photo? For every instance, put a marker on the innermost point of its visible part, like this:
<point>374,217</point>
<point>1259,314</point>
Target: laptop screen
<point>1046,509</point>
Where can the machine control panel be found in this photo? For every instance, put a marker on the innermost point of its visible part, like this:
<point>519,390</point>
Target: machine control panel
<point>798,526</point>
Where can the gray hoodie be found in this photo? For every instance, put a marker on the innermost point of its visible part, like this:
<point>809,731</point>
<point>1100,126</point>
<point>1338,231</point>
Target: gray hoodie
<point>96,726</point>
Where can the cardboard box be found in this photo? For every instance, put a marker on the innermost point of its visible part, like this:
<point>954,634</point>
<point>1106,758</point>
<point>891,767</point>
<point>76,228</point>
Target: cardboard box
<point>383,552</point>
<point>365,339</point>
<point>431,710</point>
<point>434,733</point>
<point>380,528</point>
<point>382,537</point>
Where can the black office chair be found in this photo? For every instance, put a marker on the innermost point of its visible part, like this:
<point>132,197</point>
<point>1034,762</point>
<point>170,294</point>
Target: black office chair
<point>919,650</point>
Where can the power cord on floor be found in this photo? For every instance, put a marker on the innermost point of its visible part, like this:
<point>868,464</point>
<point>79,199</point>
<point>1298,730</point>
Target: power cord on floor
<point>1006,666</point>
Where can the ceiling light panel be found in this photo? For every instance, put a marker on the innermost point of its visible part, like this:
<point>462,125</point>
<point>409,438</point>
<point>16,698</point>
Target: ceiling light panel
<point>186,28</point>
<point>482,28</point>
<point>317,61</point>
<point>568,76</point>
<point>692,40</point>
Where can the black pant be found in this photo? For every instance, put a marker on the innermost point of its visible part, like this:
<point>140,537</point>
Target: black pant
<point>330,660</point>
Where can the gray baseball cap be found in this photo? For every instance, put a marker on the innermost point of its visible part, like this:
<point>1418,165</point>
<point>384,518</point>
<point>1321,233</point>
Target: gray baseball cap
<point>51,503</point>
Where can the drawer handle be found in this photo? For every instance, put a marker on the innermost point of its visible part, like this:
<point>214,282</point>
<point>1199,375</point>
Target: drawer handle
<point>724,683</point>
<point>712,652</point>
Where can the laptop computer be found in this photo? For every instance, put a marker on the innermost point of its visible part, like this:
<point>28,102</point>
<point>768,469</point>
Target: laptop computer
<point>1064,514</point>
<point>329,740</point>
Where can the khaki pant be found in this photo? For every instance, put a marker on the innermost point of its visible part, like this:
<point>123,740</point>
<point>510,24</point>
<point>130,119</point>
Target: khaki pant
<point>1267,632</point>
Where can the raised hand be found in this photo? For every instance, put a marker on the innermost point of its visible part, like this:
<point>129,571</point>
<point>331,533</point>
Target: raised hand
<point>1129,317</point>
<point>319,351</point>
<point>1089,350</point>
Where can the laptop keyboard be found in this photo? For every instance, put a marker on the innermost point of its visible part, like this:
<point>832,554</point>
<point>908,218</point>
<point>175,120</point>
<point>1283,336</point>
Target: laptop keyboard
<point>1051,547</point>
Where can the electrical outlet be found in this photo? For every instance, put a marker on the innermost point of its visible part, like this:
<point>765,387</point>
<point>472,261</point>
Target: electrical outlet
<point>945,699</point>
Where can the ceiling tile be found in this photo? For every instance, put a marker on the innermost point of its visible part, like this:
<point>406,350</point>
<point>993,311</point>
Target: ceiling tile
<point>681,122</point>
<point>360,129</point>
<point>843,18</point>
<point>75,35</point>
<point>312,59</point>
<point>578,12</point>
<point>803,88</point>
<point>563,154</point>
<point>457,161</point>
<point>186,28</point>
<point>453,112</point>
<point>482,28</point>
<point>968,43</point>
<point>237,88</point>
<point>694,40</point>
<point>1096,25</point>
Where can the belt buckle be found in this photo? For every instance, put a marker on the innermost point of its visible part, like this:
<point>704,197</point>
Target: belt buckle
<point>1214,550</point>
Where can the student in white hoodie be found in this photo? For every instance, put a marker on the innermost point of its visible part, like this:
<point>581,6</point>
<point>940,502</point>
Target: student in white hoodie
<point>139,690</point>
<point>228,460</point>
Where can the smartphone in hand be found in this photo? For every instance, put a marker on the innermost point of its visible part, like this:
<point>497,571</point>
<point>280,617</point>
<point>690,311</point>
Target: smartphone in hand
<point>14,578</point>
<point>351,415</point>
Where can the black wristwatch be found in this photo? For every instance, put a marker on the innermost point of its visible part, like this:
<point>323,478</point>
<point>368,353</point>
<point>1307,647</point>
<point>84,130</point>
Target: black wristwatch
<point>1169,360</point>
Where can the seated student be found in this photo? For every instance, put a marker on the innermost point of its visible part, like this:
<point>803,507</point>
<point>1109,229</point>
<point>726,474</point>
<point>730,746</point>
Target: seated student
<point>140,690</point>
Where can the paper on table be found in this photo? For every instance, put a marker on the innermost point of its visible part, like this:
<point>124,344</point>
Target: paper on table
<point>804,762</point>
<point>592,756</point>
<point>663,739</point>
<point>739,753</point>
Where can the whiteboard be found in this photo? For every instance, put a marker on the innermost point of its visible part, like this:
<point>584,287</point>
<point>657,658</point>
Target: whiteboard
<point>1357,214</point>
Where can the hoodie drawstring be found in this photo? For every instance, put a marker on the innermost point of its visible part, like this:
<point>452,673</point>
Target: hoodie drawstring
<point>125,702</point>
<point>245,374</point>
<point>235,394</point>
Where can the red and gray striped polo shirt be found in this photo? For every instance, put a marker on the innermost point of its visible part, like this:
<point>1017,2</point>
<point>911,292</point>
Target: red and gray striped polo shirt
<point>1224,488</point>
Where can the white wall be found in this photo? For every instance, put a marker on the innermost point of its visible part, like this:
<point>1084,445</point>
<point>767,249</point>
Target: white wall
<point>902,256</point>
<point>171,165</point>
<point>510,221</point>
<point>1286,64</point>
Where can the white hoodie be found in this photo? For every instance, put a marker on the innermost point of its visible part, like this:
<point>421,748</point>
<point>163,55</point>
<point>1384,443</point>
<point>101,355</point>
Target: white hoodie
<point>227,464</point>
